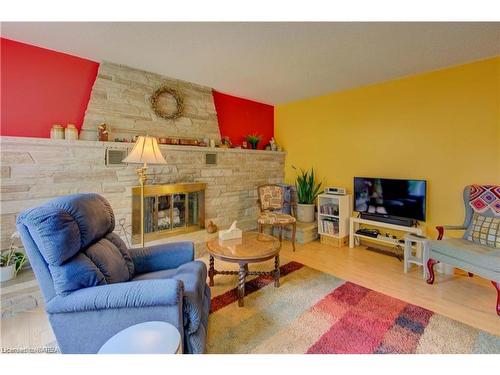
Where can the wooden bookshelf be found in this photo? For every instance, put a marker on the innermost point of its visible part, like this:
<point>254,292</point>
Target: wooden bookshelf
<point>334,212</point>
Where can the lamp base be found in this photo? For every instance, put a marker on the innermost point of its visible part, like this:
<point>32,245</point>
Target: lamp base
<point>141,173</point>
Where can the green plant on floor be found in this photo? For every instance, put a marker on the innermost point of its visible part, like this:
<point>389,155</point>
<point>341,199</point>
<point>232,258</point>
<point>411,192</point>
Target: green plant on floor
<point>13,257</point>
<point>307,188</point>
<point>253,139</point>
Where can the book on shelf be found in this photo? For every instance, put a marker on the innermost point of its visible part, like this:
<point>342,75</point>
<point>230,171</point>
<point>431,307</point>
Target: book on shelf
<point>330,226</point>
<point>329,209</point>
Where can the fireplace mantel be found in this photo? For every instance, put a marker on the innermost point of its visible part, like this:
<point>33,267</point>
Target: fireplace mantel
<point>124,145</point>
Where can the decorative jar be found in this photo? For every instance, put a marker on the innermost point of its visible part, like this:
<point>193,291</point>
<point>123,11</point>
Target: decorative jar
<point>71,132</point>
<point>57,132</point>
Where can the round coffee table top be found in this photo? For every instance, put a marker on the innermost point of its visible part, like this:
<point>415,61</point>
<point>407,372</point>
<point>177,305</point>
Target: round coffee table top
<point>252,247</point>
<point>144,338</point>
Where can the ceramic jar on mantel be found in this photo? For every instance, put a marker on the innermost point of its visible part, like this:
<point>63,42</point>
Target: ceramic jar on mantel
<point>57,132</point>
<point>71,132</point>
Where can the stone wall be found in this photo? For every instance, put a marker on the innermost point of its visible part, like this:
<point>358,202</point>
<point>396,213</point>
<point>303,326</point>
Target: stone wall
<point>121,98</point>
<point>34,170</point>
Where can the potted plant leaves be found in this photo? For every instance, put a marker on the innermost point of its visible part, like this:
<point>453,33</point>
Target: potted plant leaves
<point>254,140</point>
<point>12,260</point>
<point>307,192</point>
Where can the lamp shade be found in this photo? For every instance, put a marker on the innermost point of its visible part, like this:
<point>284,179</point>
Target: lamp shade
<point>145,151</point>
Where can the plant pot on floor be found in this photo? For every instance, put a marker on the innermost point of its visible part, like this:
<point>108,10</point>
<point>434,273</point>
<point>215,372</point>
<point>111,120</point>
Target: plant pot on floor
<point>305,213</point>
<point>7,273</point>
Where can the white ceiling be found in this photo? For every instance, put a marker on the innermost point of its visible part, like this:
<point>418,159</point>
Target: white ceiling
<point>270,62</point>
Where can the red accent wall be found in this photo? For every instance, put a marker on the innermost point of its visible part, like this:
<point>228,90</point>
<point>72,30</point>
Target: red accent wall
<point>41,87</point>
<point>239,117</point>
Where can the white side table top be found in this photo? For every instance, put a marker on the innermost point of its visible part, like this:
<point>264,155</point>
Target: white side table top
<point>144,338</point>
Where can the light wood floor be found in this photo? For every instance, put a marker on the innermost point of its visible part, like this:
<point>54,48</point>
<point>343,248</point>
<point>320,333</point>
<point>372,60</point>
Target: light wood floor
<point>469,300</point>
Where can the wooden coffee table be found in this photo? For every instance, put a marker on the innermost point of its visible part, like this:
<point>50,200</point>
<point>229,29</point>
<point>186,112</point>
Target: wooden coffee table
<point>253,247</point>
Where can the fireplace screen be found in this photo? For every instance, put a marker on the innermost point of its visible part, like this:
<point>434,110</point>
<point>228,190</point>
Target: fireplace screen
<point>168,210</point>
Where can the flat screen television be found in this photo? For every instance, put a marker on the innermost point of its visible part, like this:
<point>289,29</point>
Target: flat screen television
<point>390,197</point>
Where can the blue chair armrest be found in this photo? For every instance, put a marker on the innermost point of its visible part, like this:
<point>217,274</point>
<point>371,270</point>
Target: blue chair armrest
<point>162,257</point>
<point>138,294</point>
<point>454,227</point>
<point>441,228</point>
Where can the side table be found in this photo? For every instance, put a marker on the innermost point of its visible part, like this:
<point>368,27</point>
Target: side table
<point>252,247</point>
<point>145,338</point>
<point>418,259</point>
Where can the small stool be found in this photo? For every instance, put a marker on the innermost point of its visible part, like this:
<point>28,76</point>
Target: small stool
<point>145,338</point>
<point>422,244</point>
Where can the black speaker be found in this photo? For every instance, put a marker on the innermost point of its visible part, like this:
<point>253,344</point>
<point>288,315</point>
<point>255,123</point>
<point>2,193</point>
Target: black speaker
<point>388,219</point>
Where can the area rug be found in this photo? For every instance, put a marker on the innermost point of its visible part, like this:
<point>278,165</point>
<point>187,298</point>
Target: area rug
<point>313,312</point>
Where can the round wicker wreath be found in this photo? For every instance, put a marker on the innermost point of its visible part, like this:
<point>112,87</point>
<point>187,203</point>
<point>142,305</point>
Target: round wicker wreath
<point>155,103</point>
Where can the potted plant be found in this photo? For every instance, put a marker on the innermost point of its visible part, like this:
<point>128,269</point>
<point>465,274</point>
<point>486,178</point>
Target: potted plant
<point>11,261</point>
<point>307,192</point>
<point>254,140</point>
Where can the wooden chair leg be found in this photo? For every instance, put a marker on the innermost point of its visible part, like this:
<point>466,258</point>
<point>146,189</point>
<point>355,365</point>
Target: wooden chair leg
<point>497,287</point>
<point>294,231</point>
<point>430,270</point>
<point>261,228</point>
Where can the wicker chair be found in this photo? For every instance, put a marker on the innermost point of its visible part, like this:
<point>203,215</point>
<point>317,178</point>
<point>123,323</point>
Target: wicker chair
<point>271,202</point>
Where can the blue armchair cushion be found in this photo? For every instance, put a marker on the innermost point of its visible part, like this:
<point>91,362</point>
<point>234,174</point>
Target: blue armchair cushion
<point>74,235</point>
<point>465,251</point>
<point>79,272</point>
<point>105,262</point>
<point>63,226</point>
<point>115,265</point>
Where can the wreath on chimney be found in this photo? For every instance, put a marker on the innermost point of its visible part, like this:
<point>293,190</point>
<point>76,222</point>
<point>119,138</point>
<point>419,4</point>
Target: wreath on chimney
<point>163,93</point>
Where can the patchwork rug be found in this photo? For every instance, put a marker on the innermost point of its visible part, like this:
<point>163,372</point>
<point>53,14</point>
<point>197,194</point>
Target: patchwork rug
<point>313,312</point>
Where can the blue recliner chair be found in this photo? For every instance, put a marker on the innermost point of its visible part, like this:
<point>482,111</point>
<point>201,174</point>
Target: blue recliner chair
<point>94,286</point>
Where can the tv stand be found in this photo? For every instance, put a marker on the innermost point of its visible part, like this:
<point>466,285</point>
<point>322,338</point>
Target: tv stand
<point>356,222</point>
<point>401,221</point>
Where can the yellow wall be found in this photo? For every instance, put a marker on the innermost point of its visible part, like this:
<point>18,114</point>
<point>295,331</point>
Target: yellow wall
<point>442,126</point>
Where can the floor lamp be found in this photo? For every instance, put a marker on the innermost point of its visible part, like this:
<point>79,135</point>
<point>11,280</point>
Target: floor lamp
<point>146,151</point>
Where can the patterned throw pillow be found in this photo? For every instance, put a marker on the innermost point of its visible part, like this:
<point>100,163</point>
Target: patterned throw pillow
<point>485,231</point>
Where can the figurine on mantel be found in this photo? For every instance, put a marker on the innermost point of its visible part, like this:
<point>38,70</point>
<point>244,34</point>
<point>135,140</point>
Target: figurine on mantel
<point>211,227</point>
<point>103,132</point>
<point>273,145</point>
<point>225,142</point>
